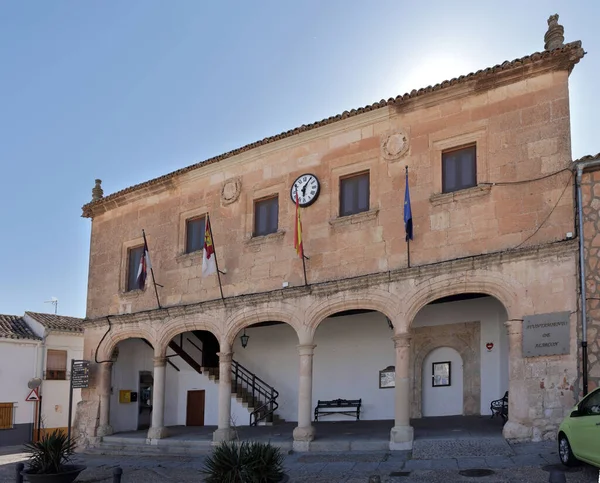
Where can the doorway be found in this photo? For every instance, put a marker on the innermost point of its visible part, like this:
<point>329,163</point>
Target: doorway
<point>443,383</point>
<point>145,399</point>
<point>195,408</point>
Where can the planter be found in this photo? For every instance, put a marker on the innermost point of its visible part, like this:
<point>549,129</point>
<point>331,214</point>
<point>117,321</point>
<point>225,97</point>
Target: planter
<point>69,475</point>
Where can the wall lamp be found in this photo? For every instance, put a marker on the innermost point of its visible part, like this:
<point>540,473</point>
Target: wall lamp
<point>244,338</point>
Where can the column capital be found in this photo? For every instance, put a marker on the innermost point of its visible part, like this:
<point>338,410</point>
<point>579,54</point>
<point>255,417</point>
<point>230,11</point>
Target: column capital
<point>514,326</point>
<point>306,349</point>
<point>225,356</point>
<point>402,340</point>
<point>159,361</point>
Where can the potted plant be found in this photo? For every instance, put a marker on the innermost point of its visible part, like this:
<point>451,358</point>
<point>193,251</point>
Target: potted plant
<point>246,462</point>
<point>49,460</point>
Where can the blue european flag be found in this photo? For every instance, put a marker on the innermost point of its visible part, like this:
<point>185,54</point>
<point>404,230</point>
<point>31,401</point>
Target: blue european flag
<point>408,224</point>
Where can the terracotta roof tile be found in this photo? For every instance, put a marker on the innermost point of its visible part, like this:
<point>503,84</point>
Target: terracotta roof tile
<point>574,49</point>
<point>588,157</point>
<point>57,322</point>
<point>15,327</point>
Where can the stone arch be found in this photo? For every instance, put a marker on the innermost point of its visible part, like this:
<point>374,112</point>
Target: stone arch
<point>178,325</point>
<point>508,291</point>
<point>280,312</point>
<point>126,331</point>
<point>371,299</point>
<point>467,345</point>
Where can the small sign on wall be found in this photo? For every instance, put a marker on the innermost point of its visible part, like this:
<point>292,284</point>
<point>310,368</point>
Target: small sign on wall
<point>387,378</point>
<point>546,334</point>
<point>124,396</point>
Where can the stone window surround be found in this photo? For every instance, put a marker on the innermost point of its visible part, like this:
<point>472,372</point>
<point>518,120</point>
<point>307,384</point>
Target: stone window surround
<point>260,192</point>
<point>181,237</point>
<point>369,165</point>
<point>123,292</point>
<point>444,141</point>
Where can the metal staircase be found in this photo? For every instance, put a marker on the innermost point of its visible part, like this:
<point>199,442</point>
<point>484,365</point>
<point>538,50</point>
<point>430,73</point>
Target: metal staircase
<point>250,390</point>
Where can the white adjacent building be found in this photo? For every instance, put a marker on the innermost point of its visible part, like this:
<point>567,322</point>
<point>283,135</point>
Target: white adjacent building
<point>36,346</point>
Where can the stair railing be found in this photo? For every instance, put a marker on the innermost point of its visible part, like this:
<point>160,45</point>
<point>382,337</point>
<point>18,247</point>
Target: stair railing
<point>264,396</point>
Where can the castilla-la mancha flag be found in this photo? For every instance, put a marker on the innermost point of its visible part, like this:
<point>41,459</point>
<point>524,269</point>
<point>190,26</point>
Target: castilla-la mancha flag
<point>209,262</point>
<point>298,230</point>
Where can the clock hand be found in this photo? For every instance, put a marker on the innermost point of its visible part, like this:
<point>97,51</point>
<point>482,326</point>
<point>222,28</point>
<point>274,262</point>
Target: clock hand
<point>304,189</point>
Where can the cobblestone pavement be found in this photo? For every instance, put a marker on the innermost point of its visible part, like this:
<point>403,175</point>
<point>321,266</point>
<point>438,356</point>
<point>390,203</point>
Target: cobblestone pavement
<point>529,463</point>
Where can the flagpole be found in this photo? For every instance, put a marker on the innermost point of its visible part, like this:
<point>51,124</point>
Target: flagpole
<point>304,257</point>
<point>151,268</point>
<point>407,237</point>
<point>216,258</point>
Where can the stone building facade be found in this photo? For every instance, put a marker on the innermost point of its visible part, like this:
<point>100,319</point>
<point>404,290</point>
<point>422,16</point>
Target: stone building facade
<point>502,230</point>
<point>590,197</point>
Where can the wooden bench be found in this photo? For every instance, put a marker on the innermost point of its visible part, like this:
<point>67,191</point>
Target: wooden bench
<point>499,407</point>
<point>347,407</point>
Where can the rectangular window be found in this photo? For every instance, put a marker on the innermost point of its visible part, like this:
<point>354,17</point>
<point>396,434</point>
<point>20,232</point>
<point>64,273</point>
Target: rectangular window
<point>6,415</point>
<point>133,265</point>
<point>354,194</point>
<point>194,233</point>
<point>266,215</point>
<point>56,365</point>
<point>459,169</point>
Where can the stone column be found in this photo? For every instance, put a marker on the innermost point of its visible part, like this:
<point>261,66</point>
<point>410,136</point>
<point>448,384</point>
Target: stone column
<point>104,382</point>
<point>304,433</point>
<point>518,403</point>
<point>158,430</point>
<point>402,434</point>
<point>224,431</point>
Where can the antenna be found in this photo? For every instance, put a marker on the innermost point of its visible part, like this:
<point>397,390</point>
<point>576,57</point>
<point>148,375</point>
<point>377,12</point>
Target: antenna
<point>53,301</point>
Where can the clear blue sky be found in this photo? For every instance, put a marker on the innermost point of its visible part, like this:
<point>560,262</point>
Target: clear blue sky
<point>129,90</point>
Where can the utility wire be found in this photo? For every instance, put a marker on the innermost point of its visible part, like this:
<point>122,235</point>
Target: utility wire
<point>523,181</point>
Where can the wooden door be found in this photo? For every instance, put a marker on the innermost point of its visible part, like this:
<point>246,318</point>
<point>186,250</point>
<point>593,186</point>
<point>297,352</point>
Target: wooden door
<point>195,408</point>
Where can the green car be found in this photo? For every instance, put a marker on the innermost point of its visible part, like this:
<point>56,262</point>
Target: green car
<point>579,433</point>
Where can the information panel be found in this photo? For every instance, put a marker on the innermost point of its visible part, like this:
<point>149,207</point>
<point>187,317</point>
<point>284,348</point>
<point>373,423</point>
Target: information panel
<point>80,374</point>
<point>546,334</point>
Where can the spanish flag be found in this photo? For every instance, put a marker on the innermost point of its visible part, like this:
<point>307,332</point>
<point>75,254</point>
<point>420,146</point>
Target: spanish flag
<point>209,262</point>
<point>298,232</point>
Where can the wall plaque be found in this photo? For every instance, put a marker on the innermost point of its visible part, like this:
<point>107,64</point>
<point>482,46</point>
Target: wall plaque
<point>546,334</point>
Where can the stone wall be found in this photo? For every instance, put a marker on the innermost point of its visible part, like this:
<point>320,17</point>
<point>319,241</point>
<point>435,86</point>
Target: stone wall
<point>590,191</point>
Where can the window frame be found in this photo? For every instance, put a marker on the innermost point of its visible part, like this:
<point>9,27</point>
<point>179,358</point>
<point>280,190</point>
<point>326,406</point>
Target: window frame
<point>269,230</point>
<point>10,406</point>
<point>355,209</point>
<point>459,170</point>
<point>56,374</point>
<point>193,219</point>
<point>128,279</point>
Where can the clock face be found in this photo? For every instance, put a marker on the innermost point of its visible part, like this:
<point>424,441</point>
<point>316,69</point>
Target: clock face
<point>307,186</point>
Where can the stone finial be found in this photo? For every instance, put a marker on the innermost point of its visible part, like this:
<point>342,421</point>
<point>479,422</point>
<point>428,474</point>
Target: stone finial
<point>97,191</point>
<point>554,37</point>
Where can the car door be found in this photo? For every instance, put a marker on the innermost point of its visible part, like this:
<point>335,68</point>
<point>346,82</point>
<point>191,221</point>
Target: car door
<point>587,428</point>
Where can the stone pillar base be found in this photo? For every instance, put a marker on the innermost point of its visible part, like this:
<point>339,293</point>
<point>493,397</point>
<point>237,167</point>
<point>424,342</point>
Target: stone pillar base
<point>106,430</point>
<point>303,437</point>
<point>401,438</point>
<point>157,433</point>
<point>224,434</point>
<point>517,431</point>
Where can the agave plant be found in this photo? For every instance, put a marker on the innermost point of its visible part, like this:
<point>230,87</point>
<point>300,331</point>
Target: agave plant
<point>244,462</point>
<point>50,453</point>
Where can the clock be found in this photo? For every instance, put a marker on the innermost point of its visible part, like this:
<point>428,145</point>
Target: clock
<point>308,187</point>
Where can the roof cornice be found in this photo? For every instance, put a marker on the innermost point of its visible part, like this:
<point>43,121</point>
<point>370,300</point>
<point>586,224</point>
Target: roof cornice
<point>563,58</point>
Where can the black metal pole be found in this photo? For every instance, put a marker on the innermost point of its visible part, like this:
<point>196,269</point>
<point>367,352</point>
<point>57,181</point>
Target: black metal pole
<point>70,403</point>
<point>151,269</point>
<point>304,257</point>
<point>39,416</point>
<point>408,251</point>
<point>117,473</point>
<point>19,477</point>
